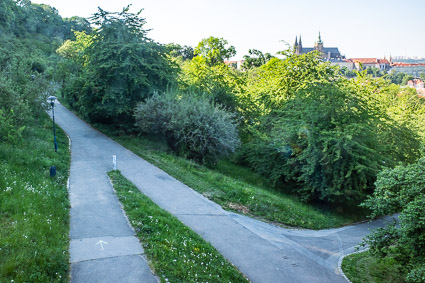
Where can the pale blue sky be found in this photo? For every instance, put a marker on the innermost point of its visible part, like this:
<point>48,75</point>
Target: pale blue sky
<point>359,28</point>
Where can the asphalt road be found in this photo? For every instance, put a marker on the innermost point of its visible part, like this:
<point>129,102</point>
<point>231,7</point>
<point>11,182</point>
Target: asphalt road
<point>104,248</point>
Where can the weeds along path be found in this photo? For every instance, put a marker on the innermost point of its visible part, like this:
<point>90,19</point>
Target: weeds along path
<point>263,252</point>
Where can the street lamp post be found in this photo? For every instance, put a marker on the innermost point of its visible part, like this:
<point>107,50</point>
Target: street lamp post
<point>52,102</point>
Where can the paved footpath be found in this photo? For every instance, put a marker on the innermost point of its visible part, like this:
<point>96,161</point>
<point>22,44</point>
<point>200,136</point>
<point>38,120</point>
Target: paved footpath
<point>104,249</point>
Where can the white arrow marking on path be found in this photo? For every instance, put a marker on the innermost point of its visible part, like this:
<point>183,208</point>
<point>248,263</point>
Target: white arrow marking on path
<point>101,244</point>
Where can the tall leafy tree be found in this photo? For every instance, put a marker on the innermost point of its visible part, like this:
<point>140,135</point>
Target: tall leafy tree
<point>123,67</point>
<point>214,50</point>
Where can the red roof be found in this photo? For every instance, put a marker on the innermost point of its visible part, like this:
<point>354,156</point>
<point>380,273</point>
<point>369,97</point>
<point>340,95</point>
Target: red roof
<point>400,64</point>
<point>370,61</point>
<point>365,60</point>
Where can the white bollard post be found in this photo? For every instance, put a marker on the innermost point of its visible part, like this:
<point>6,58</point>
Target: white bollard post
<point>114,162</point>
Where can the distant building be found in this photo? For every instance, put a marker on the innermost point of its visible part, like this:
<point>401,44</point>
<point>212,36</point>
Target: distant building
<point>347,63</point>
<point>414,70</point>
<point>235,64</point>
<point>327,53</point>
<point>364,63</point>
<point>417,84</point>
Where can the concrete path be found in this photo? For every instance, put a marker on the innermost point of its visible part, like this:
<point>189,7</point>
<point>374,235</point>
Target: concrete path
<point>263,252</point>
<point>103,246</point>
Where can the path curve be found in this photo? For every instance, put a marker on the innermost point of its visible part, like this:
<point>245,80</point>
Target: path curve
<point>263,252</point>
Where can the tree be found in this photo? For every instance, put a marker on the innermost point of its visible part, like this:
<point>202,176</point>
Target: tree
<point>323,139</point>
<point>214,50</point>
<point>255,59</point>
<point>406,79</point>
<point>219,82</point>
<point>396,77</point>
<point>74,24</point>
<point>123,67</point>
<point>269,86</point>
<point>176,50</point>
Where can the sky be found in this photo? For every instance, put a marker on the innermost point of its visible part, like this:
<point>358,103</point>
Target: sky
<point>359,28</point>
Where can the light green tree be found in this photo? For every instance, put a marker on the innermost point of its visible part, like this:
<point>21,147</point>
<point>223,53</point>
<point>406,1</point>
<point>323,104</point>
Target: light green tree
<point>214,50</point>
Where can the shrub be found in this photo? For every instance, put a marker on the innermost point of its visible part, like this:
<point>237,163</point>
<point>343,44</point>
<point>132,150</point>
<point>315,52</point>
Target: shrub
<point>401,189</point>
<point>193,126</point>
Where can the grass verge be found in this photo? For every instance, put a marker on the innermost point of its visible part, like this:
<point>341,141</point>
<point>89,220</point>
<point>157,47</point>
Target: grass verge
<point>363,267</point>
<point>34,214</point>
<point>236,188</point>
<point>176,253</point>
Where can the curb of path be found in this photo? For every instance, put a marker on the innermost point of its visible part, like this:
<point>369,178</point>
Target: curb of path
<point>342,258</point>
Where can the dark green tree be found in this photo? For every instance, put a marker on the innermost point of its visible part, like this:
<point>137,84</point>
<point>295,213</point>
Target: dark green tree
<point>176,50</point>
<point>123,67</point>
<point>406,79</point>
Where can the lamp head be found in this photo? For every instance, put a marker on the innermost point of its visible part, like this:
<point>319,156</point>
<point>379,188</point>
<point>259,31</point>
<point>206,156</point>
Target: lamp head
<point>52,100</point>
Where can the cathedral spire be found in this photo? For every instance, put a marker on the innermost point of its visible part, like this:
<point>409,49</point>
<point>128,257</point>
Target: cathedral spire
<point>300,44</point>
<point>296,41</point>
<point>320,38</point>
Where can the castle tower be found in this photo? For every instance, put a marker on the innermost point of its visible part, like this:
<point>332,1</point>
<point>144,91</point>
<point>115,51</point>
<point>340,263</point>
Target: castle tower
<point>318,45</point>
<point>296,45</point>
<point>300,45</point>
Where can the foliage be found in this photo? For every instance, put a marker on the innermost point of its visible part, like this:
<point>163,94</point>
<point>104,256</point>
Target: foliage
<point>176,50</point>
<point>327,137</point>
<point>220,82</point>
<point>324,139</point>
<point>23,19</point>
<point>269,86</point>
<point>255,59</point>
<point>34,214</point>
<point>121,67</point>
<point>74,49</point>
<point>192,125</point>
<point>375,72</point>
<point>347,73</point>
<point>406,79</point>
<point>401,189</point>
<point>214,50</point>
<point>22,97</point>
<point>176,252</point>
<point>396,77</point>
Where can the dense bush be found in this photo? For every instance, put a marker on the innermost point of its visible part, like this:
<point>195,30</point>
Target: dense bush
<point>326,139</point>
<point>401,189</point>
<point>22,97</point>
<point>193,126</point>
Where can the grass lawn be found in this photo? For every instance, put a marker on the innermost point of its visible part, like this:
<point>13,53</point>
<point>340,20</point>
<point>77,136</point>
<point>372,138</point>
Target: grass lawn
<point>236,188</point>
<point>176,253</point>
<point>34,207</point>
<point>362,267</point>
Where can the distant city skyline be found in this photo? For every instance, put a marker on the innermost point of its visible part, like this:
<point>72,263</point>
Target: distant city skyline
<point>359,28</point>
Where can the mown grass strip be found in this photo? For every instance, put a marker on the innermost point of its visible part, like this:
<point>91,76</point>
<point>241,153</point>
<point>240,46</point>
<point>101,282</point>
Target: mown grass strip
<point>237,188</point>
<point>34,207</point>
<point>363,267</point>
<point>176,253</point>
